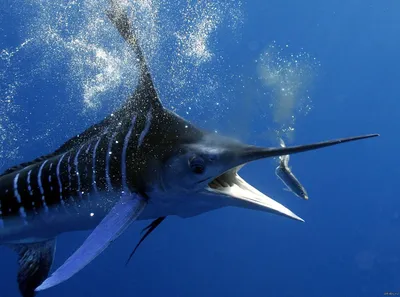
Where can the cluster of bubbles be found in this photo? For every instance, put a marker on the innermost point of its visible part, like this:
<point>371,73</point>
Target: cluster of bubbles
<point>101,68</point>
<point>8,90</point>
<point>193,72</point>
<point>193,38</point>
<point>288,77</point>
<point>80,33</point>
<point>102,65</point>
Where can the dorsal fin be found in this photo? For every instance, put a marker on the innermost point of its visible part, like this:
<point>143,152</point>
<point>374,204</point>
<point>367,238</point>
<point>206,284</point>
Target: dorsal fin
<point>144,97</point>
<point>119,18</point>
<point>25,164</point>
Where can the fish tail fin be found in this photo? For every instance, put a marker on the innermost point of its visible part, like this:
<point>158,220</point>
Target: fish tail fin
<point>34,261</point>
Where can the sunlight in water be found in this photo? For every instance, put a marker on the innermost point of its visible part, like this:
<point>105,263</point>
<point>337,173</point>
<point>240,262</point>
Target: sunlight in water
<point>100,62</point>
<point>193,38</point>
<point>81,30</point>
<point>288,76</point>
<point>99,69</point>
<point>194,62</point>
<point>10,81</point>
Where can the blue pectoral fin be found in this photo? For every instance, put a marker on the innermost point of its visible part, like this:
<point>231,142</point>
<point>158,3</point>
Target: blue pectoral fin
<point>114,224</point>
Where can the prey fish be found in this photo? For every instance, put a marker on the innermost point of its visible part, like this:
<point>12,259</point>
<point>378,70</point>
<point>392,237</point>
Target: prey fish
<point>286,175</point>
<point>142,162</point>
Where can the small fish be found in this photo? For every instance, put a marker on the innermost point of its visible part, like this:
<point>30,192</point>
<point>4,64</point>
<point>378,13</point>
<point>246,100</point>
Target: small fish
<point>287,177</point>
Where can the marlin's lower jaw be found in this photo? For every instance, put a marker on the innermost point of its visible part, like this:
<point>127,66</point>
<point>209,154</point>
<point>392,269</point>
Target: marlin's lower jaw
<point>243,195</point>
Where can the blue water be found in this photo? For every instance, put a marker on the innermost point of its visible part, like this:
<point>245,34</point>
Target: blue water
<point>349,244</point>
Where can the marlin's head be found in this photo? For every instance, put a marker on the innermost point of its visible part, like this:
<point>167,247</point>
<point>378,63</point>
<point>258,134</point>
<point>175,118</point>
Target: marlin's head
<point>204,174</point>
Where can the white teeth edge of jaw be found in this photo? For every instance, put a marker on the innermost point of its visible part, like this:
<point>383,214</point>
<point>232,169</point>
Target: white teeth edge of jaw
<point>256,196</point>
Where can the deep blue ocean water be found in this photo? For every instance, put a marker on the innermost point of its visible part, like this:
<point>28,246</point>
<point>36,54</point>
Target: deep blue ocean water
<point>349,244</point>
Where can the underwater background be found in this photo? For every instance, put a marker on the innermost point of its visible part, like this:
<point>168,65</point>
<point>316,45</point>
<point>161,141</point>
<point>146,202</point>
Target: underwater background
<point>305,71</point>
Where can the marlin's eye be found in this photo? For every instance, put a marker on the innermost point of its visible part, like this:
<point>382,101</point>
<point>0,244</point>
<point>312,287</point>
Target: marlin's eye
<point>197,165</point>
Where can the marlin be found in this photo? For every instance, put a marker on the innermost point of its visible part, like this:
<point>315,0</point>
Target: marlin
<point>286,175</point>
<point>142,162</point>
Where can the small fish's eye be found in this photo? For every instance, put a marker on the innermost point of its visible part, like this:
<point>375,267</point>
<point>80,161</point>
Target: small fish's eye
<point>197,165</point>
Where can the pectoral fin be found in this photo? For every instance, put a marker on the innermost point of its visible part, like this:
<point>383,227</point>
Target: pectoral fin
<point>114,224</point>
<point>35,261</point>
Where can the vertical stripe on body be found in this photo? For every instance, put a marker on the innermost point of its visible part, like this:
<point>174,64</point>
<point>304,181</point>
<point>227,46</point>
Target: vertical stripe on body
<point>94,164</point>
<point>78,178</point>
<point>60,185</point>
<point>69,170</point>
<point>25,190</point>
<point>108,157</point>
<point>149,117</point>
<point>99,166</point>
<point>28,180</point>
<point>22,212</point>
<point>39,179</point>
<point>85,170</point>
<point>123,156</point>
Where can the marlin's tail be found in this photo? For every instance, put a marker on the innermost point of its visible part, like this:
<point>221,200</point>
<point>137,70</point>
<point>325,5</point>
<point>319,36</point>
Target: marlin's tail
<point>35,261</point>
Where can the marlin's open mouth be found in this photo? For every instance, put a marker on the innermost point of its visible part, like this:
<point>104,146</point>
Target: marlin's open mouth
<point>232,185</point>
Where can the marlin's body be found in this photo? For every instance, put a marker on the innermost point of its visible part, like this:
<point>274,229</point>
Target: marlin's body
<point>286,175</point>
<point>141,162</point>
<point>76,187</point>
